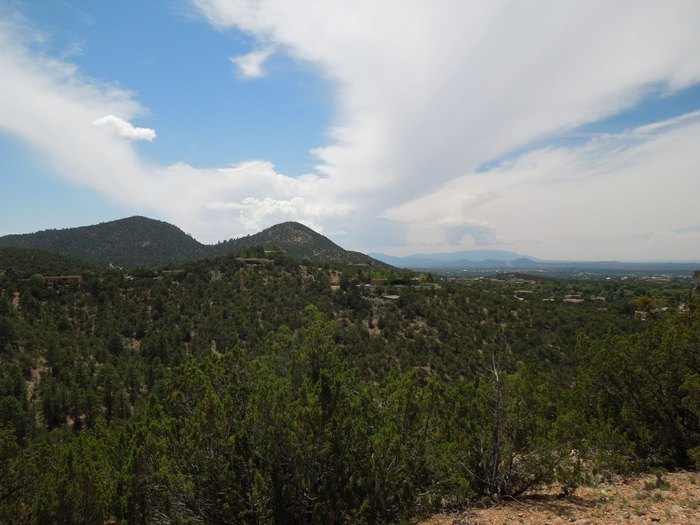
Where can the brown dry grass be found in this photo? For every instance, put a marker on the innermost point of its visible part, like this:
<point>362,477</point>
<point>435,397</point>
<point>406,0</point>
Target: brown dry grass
<point>625,501</point>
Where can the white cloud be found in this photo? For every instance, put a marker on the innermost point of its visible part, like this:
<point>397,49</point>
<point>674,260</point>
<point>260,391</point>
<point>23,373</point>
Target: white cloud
<point>243,199</point>
<point>50,105</point>
<point>429,92</point>
<point>443,88</point>
<point>629,195</point>
<point>254,212</point>
<point>426,93</point>
<point>250,65</point>
<point>124,129</point>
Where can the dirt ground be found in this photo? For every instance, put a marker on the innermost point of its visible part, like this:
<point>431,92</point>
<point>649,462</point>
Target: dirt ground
<point>675,499</point>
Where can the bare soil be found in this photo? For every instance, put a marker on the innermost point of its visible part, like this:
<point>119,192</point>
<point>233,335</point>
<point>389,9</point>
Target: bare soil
<point>674,499</point>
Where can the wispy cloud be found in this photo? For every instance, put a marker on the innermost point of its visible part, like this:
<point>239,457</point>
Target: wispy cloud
<point>70,118</point>
<point>615,194</point>
<point>428,93</point>
<point>425,94</point>
<point>251,64</point>
<point>443,89</point>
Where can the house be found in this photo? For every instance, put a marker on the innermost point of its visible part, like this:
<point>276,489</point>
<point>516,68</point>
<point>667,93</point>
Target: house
<point>63,279</point>
<point>176,271</point>
<point>254,260</point>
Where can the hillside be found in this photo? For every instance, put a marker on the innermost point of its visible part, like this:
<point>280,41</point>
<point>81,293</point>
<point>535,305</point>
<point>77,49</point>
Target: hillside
<point>25,262</point>
<point>132,242</point>
<point>231,391</point>
<point>300,242</point>
<point>138,242</point>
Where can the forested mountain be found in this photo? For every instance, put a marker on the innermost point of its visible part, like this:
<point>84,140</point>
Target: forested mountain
<point>300,242</point>
<point>138,242</point>
<point>131,242</point>
<point>258,388</point>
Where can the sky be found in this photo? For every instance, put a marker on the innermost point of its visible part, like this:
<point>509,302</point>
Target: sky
<point>560,130</point>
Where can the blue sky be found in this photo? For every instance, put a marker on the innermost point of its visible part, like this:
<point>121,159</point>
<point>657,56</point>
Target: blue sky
<point>559,130</point>
<point>178,67</point>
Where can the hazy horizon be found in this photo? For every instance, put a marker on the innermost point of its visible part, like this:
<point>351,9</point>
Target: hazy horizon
<point>446,255</point>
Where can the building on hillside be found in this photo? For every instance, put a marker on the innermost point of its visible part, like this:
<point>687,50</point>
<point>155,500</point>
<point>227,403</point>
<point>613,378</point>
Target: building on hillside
<point>63,279</point>
<point>254,260</point>
<point>176,271</point>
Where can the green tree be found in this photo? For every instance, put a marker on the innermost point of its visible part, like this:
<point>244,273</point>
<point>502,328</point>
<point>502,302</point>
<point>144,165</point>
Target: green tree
<point>8,334</point>
<point>640,384</point>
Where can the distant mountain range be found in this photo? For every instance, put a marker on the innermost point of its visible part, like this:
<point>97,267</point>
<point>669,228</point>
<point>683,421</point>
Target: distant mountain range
<point>511,261</point>
<point>142,242</point>
<point>479,258</point>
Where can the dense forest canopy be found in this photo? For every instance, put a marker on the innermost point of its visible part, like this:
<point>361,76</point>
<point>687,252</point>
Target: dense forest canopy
<point>255,388</point>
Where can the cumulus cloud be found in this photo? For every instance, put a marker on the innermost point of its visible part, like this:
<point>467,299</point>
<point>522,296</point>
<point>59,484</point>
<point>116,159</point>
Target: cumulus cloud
<point>250,65</point>
<point>255,213</point>
<point>124,129</point>
<point>216,204</point>
<point>462,231</point>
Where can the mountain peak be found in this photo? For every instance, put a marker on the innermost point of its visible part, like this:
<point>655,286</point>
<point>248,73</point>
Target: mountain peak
<point>139,241</point>
<point>299,241</point>
<point>133,241</point>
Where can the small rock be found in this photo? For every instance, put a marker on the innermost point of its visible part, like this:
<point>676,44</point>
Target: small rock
<point>676,509</point>
<point>584,521</point>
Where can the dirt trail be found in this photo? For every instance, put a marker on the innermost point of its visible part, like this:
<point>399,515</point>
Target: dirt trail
<point>632,501</point>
